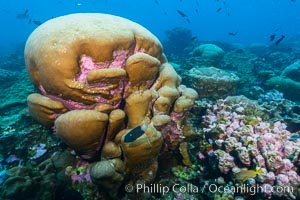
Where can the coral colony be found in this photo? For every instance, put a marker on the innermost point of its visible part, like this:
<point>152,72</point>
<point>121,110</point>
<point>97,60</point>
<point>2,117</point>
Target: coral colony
<point>98,103</point>
<point>114,120</point>
<point>249,149</point>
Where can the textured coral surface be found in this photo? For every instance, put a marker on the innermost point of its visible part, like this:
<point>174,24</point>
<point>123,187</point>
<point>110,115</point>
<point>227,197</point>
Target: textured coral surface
<point>109,92</point>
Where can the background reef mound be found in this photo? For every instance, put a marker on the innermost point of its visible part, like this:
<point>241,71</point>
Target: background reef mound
<point>107,88</point>
<point>212,82</point>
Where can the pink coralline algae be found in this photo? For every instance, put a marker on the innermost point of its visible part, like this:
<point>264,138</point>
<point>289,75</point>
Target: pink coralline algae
<point>242,139</point>
<point>80,173</point>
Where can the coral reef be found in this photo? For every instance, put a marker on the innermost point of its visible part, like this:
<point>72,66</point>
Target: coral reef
<point>289,87</point>
<point>97,96</point>
<point>283,110</point>
<point>244,141</point>
<point>259,49</point>
<point>287,82</point>
<point>212,82</point>
<point>23,182</point>
<point>209,55</point>
<point>120,115</point>
<point>292,71</point>
<point>11,67</point>
<point>280,59</point>
<point>271,96</point>
<point>13,61</point>
<point>16,91</point>
<point>7,76</point>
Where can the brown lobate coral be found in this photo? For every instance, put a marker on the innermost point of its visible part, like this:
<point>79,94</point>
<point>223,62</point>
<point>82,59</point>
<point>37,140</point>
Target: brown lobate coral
<point>101,77</point>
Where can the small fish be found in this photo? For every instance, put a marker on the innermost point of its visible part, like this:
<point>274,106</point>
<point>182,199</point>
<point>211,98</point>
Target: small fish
<point>188,20</point>
<point>219,9</point>
<point>245,174</point>
<point>23,15</point>
<point>134,134</point>
<point>29,21</point>
<point>165,13</point>
<point>181,13</point>
<point>208,139</point>
<point>280,39</point>
<point>156,2</point>
<point>196,10</point>
<point>233,33</point>
<point>228,14</point>
<point>272,37</point>
<point>193,38</point>
<point>37,22</point>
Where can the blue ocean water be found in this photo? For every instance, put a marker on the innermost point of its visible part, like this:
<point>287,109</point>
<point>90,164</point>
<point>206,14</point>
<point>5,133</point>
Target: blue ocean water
<point>254,20</point>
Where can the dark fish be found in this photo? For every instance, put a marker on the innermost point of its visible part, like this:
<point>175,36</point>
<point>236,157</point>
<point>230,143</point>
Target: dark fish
<point>37,22</point>
<point>197,3</point>
<point>207,138</point>
<point>228,14</point>
<point>233,33</point>
<point>23,15</point>
<point>280,39</point>
<point>181,13</point>
<point>219,9</point>
<point>156,2</point>
<point>196,10</point>
<point>293,0</point>
<point>193,38</point>
<point>133,134</point>
<point>272,37</point>
<point>29,21</point>
<point>224,2</point>
<point>188,20</point>
<point>165,13</point>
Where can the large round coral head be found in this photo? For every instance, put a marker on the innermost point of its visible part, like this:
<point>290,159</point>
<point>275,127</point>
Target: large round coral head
<point>100,76</point>
<point>80,59</point>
